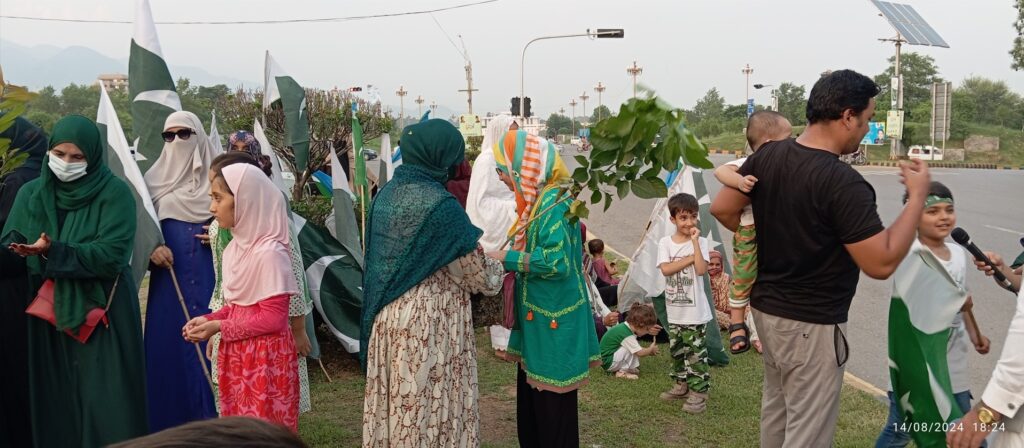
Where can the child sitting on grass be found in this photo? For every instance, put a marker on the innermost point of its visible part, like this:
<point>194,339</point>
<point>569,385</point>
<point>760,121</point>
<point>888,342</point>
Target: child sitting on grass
<point>620,351</point>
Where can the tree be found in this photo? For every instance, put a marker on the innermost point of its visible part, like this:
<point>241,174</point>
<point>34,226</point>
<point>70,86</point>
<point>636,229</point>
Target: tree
<point>985,101</point>
<point>556,123</point>
<point>919,72</point>
<point>707,117</point>
<point>711,106</point>
<point>1017,53</point>
<point>330,125</point>
<point>792,102</point>
<point>601,112</point>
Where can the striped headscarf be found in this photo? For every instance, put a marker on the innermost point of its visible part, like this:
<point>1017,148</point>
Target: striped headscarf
<point>534,164</point>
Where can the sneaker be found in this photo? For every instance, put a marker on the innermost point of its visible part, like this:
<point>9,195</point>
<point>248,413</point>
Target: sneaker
<point>626,375</point>
<point>696,403</point>
<point>678,392</point>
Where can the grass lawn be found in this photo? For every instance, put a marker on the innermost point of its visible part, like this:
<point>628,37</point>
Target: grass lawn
<point>613,412</point>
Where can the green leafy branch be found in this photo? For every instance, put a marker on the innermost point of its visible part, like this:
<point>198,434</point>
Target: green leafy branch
<point>630,151</point>
<point>13,101</point>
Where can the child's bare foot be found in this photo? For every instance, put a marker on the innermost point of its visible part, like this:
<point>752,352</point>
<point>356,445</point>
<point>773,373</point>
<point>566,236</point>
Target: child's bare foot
<point>626,375</point>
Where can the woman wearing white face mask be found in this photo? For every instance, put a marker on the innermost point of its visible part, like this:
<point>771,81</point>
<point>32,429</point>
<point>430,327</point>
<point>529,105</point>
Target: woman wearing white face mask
<point>81,218</point>
<point>179,184</point>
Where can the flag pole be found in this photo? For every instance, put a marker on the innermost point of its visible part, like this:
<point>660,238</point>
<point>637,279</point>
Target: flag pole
<point>362,209</point>
<point>199,351</point>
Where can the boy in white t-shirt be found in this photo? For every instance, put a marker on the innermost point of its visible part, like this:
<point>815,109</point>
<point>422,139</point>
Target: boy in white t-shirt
<point>683,259</point>
<point>937,221</point>
<point>762,127</point>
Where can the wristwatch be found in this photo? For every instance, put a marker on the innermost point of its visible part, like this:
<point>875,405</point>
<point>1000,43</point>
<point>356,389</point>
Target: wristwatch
<point>986,416</point>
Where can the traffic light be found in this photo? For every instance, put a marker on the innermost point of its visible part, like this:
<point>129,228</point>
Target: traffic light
<point>526,107</point>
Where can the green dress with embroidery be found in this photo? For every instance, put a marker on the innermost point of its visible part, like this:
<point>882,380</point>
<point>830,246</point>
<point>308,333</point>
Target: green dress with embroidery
<point>554,334</point>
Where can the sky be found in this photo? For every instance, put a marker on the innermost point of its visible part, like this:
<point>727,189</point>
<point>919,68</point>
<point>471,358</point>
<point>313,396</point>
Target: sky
<point>685,47</point>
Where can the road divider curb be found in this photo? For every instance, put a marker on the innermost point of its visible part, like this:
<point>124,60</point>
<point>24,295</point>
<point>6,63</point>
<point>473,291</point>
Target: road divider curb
<point>979,166</point>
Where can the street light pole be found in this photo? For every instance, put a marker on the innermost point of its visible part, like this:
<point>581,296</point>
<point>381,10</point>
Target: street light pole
<point>572,102</point>
<point>634,71</point>
<point>600,103</point>
<point>585,97</point>
<point>419,103</point>
<point>748,71</point>
<point>401,92</point>
<point>601,34</point>
<point>774,96</point>
<point>433,108</point>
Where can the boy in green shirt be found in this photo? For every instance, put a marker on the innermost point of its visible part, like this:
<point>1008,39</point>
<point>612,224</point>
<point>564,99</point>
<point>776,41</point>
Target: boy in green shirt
<point>620,351</point>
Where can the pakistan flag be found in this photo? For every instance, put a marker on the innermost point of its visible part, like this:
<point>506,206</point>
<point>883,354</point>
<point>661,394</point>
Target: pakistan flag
<point>925,301</point>
<point>278,85</point>
<point>150,86</point>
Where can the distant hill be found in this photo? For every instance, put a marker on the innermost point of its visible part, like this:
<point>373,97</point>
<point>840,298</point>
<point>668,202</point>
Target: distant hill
<point>45,65</point>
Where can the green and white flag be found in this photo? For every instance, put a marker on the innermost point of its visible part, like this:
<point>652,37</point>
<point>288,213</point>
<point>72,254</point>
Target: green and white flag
<point>346,228</point>
<point>925,301</point>
<point>644,281</point>
<point>150,86</point>
<point>277,174</point>
<point>335,281</point>
<point>122,164</point>
<point>280,86</point>
<point>218,146</point>
<point>360,159</point>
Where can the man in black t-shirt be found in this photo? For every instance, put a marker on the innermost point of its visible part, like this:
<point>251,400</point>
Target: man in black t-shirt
<point>817,228</point>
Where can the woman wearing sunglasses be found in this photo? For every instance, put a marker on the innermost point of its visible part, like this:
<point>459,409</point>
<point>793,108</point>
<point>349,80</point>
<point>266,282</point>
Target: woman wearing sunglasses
<point>178,183</point>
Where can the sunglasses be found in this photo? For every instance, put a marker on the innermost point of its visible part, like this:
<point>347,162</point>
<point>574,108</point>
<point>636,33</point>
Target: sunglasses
<point>183,134</point>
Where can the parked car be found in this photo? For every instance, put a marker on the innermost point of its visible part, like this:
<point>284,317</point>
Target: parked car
<point>925,152</point>
<point>369,154</point>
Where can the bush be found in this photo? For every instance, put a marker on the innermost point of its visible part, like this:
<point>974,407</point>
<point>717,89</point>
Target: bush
<point>314,208</point>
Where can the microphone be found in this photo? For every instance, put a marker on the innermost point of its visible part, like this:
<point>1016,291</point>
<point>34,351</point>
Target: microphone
<point>962,238</point>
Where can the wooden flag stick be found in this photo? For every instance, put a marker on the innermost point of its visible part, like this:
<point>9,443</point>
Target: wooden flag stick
<point>188,317</point>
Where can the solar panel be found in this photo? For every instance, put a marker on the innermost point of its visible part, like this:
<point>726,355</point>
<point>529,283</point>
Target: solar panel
<point>909,24</point>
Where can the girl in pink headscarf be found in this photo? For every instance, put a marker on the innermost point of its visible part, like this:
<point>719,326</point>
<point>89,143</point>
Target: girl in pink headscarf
<point>257,363</point>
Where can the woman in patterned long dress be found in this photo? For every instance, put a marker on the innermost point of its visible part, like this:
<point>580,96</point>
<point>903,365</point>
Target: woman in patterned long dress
<point>298,306</point>
<point>553,338</point>
<point>422,262</point>
<point>257,366</point>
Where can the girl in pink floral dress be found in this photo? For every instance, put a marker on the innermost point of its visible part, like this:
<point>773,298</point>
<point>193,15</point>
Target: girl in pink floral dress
<point>258,365</point>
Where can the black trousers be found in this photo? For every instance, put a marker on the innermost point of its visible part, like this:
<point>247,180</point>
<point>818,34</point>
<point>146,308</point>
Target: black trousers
<point>546,419</point>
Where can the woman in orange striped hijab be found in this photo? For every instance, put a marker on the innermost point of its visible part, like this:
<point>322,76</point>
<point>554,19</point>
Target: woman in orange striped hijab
<point>553,337</point>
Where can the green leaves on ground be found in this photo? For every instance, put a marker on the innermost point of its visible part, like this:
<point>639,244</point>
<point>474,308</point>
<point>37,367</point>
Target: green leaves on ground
<point>630,151</point>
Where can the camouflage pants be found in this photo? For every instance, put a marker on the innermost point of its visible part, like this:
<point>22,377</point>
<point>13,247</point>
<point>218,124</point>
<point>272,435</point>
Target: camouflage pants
<point>744,266</point>
<point>690,356</point>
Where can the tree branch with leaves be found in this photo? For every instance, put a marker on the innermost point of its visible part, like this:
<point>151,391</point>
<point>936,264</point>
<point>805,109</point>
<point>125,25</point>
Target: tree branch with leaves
<point>13,100</point>
<point>631,150</point>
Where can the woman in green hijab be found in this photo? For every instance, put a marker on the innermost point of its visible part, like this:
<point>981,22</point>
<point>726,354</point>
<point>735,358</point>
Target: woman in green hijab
<point>91,393</point>
<point>423,261</point>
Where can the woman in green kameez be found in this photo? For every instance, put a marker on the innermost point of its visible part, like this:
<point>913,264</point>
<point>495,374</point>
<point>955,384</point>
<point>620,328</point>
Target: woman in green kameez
<point>553,337</point>
<point>81,394</point>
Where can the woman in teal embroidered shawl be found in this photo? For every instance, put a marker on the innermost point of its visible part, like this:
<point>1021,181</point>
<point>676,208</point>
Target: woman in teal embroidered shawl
<point>553,336</point>
<point>90,394</point>
<point>422,263</point>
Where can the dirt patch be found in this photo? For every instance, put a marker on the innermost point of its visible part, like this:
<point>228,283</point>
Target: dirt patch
<point>498,416</point>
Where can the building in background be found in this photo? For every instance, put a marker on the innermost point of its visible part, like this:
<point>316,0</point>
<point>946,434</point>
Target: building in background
<point>113,81</point>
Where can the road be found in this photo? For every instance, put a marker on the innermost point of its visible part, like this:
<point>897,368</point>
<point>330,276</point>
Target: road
<point>984,209</point>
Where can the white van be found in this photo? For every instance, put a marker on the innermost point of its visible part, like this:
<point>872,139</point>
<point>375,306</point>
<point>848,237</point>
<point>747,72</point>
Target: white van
<point>926,152</point>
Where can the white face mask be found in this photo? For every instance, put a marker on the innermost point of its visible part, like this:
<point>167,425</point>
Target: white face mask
<point>67,172</point>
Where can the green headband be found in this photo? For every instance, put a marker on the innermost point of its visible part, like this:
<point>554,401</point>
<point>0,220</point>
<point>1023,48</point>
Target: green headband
<point>934,200</point>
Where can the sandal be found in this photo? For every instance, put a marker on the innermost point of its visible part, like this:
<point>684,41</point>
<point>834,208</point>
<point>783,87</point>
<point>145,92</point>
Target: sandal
<point>744,339</point>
